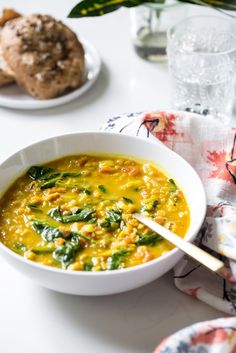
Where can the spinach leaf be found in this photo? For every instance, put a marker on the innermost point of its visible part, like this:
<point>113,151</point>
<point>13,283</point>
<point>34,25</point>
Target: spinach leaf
<point>47,232</point>
<point>115,261</point>
<point>50,233</point>
<point>78,216</point>
<point>75,239</point>
<point>40,173</point>
<point>92,220</point>
<point>144,208</point>
<point>127,199</point>
<point>155,203</point>
<point>56,214</point>
<point>20,246</point>
<point>49,184</point>
<point>113,221</point>
<point>102,188</point>
<point>83,237</point>
<point>33,207</point>
<point>173,185</point>
<point>66,253</point>
<point>149,239</point>
<point>56,179</point>
<point>41,249</point>
<point>149,207</point>
<point>172,182</point>
<point>115,216</point>
<point>87,191</point>
<point>84,215</point>
<point>69,174</point>
<point>107,224</point>
<point>88,267</point>
<point>48,176</point>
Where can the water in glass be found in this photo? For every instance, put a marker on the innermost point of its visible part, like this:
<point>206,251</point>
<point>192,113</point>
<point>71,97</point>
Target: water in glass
<point>202,69</point>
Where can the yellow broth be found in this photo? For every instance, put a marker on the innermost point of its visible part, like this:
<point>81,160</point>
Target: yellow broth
<point>76,213</point>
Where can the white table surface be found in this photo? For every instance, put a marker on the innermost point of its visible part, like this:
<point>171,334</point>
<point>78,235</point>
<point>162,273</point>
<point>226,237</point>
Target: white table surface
<point>34,319</point>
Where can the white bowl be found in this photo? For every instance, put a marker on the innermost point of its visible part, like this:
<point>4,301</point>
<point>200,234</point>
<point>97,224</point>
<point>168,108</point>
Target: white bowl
<point>107,282</point>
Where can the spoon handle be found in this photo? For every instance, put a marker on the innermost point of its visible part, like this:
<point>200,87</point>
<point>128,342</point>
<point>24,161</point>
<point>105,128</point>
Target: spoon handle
<point>192,250</point>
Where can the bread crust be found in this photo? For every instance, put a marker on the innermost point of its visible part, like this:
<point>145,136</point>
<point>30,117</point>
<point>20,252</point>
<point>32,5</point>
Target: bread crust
<point>6,75</point>
<point>45,55</point>
<point>8,15</point>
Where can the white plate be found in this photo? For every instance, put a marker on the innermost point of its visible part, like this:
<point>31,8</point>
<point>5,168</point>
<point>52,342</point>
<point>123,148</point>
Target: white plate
<point>12,96</point>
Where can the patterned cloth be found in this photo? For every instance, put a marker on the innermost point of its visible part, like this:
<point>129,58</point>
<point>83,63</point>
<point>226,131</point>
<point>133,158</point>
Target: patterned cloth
<point>210,147</point>
<point>217,336</point>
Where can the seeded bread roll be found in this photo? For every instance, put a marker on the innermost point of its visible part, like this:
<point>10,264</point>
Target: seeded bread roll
<point>46,57</point>
<point>6,75</point>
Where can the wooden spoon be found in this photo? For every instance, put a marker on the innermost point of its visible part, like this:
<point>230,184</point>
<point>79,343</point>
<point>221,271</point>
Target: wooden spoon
<point>192,250</point>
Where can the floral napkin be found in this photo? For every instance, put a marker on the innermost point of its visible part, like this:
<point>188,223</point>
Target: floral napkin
<point>210,147</point>
<point>215,336</point>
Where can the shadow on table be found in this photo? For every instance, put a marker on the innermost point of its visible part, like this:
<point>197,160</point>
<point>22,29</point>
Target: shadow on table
<point>90,96</point>
<point>134,321</point>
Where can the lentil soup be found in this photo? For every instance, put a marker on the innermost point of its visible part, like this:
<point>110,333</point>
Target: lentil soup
<point>76,213</point>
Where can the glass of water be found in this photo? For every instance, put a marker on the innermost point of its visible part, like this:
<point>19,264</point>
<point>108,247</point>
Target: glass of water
<point>149,24</point>
<point>202,65</point>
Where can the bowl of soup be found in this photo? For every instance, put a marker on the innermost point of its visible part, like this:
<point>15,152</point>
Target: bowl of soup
<point>67,205</point>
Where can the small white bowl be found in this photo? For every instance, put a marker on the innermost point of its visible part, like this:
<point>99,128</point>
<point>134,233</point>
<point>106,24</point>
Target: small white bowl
<point>107,282</point>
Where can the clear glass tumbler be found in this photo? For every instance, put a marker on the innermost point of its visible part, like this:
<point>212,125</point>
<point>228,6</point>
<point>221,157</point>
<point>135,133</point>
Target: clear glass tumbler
<point>149,24</point>
<point>202,65</point>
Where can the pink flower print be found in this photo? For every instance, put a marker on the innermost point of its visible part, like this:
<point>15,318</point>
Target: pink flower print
<point>163,126</point>
<point>218,160</point>
<point>214,336</point>
<point>193,292</point>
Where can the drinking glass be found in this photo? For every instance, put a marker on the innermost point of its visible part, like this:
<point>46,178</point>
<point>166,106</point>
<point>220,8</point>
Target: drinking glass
<point>202,65</point>
<point>149,24</point>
